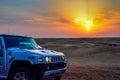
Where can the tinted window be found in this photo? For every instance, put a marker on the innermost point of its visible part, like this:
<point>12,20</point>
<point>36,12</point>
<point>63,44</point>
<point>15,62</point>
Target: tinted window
<point>20,42</point>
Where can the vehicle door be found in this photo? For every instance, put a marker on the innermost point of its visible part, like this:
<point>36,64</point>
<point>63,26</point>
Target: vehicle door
<point>2,62</point>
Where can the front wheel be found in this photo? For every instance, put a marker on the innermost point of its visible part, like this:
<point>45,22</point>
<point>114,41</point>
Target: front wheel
<point>22,74</point>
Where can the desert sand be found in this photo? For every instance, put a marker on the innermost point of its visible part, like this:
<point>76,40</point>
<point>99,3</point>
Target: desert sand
<point>88,58</point>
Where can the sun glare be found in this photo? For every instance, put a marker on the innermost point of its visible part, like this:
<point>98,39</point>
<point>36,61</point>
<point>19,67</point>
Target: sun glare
<point>89,25</point>
<point>86,25</point>
<point>77,20</point>
<point>88,28</point>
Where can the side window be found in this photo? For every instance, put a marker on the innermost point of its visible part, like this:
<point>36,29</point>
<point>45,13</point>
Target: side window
<point>1,54</point>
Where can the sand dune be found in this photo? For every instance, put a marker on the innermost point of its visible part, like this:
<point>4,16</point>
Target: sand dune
<point>88,59</point>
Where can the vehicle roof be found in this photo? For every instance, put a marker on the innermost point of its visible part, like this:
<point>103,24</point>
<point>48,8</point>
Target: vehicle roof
<point>6,35</point>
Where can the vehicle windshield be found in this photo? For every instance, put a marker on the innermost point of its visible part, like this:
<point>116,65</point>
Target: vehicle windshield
<point>20,42</point>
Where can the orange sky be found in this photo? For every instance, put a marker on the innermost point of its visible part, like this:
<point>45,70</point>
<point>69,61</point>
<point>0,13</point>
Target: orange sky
<point>60,18</point>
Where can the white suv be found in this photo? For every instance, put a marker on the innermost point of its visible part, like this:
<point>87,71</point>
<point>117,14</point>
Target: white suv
<point>22,59</point>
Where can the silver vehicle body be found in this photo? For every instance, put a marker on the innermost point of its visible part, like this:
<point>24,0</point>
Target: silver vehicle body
<point>50,63</point>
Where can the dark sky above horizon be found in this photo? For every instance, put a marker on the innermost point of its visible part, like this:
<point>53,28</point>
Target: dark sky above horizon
<point>60,18</point>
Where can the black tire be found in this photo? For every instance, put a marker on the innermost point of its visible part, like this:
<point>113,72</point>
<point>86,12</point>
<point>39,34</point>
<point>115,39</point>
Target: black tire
<point>22,73</point>
<point>58,78</point>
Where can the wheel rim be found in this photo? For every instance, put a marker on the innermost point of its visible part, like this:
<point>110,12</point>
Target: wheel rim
<point>20,76</point>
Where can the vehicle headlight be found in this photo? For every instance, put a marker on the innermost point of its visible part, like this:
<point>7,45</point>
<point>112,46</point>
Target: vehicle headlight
<point>63,57</point>
<point>47,59</point>
<point>41,59</point>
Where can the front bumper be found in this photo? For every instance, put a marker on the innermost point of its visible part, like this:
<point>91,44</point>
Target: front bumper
<point>48,75</point>
<point>50,70</point>
<point>49,66</point>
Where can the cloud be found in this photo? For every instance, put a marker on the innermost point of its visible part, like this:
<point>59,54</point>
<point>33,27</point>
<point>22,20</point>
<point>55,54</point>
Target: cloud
<point>46,20</point>
<point>11,20</point>
<point>109,17</point>
<point>63,20</point>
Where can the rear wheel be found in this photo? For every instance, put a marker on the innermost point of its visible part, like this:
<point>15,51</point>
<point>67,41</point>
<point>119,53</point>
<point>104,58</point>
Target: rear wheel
<point>22,74</point>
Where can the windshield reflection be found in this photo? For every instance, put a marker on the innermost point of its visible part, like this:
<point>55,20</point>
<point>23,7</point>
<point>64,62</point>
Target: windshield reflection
<point>21,42</point>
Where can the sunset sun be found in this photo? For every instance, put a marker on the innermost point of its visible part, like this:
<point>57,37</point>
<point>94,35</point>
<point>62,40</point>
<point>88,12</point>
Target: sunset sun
<point>88,25</point>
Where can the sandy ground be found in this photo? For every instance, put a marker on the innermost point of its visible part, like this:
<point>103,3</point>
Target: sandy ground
<point>88,59</point>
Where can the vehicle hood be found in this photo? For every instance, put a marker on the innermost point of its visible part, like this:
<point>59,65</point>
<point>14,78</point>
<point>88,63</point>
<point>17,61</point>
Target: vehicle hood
<point>35,52</point>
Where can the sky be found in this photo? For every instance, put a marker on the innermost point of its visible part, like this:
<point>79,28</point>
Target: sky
<point>60,18</point>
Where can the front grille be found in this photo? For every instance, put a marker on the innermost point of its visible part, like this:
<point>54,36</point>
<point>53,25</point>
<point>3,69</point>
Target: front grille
<point>57,59</point>
<point>54,66</point>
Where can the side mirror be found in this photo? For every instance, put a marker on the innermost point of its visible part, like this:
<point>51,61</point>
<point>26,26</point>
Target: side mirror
<point>40,47</point>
